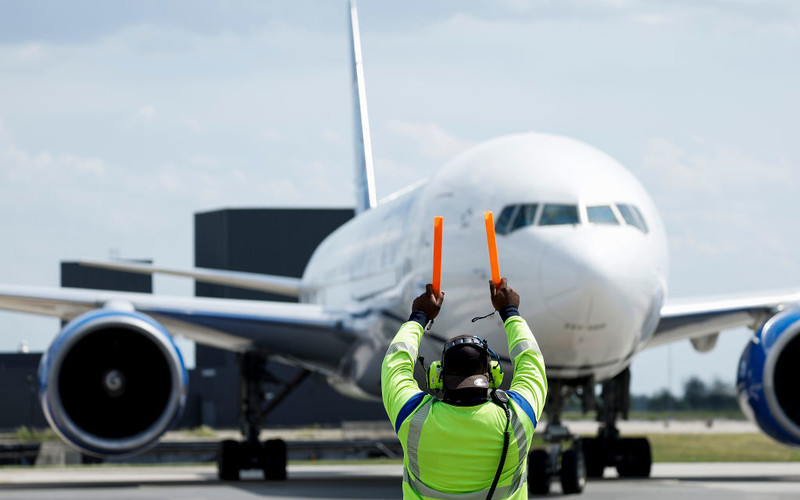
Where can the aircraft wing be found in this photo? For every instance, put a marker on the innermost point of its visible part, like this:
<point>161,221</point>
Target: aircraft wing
<point>282,285</point>
<point>304,334</point>
<point>696,318</point>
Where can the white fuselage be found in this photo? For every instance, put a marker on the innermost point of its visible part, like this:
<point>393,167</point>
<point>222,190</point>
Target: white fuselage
<point>591,292</point>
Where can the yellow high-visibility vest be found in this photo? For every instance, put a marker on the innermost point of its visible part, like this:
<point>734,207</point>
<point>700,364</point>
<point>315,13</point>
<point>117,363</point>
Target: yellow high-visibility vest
<point>452,452</point>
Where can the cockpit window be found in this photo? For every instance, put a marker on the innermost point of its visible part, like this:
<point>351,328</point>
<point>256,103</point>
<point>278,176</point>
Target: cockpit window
<point>514,217</point>
<point>501,226</point>
<point>633,217</point>
<point>525,216</point>
<point>601,214</point>
<point>553,214</point>
<point>639,215</point>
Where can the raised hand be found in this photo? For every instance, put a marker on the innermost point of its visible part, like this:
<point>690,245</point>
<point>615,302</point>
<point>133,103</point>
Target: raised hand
<point>428,303</point>
<point>503,296</point>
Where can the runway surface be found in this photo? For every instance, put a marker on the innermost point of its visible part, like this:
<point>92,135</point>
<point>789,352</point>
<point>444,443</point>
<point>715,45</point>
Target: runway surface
<point>717,481</point>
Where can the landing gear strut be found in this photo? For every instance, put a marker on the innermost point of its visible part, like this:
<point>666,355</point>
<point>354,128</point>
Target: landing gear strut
<point>572,458</point>
<point>631,456</point>
<point>269,456</point>
<point>563,457</point>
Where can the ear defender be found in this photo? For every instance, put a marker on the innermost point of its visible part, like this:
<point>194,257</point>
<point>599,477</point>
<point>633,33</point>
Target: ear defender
<point>495,374</point>
<point>433,377</point>
<point>495,368</point>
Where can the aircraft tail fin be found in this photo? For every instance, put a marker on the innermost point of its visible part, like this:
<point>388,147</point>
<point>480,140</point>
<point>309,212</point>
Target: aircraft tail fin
<point>365,178</point>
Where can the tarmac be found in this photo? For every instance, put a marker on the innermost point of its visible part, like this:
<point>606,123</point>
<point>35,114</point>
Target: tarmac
<point>382,429</point>
<point>706,481</point>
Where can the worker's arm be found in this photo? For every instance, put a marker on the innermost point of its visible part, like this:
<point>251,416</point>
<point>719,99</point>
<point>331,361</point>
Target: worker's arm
<point>398,386</point>
<point>397,373</point>
<point>530,381</point>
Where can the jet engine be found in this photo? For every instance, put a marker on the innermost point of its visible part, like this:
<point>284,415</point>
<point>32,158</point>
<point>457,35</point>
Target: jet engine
<point>769,373</point>
<point>112,382</point>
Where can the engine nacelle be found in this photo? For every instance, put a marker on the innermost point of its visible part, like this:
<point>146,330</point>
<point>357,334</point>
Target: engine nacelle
<point>112,382</point>
<point>769,373</point>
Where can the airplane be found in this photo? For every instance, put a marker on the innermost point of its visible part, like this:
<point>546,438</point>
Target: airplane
<point>578,237</point>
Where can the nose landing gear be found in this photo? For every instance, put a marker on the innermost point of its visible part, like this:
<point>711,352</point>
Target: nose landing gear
<point>631,456</point>
<point>572,458</point>
<point>563,458</point>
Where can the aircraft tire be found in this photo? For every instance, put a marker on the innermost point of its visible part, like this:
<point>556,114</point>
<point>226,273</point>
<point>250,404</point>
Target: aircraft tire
<point>274,460</point>
<point>538,474</point>
<point>593,457</point>
<point>573,471</point>
<point>637,459</point>
<point>228,460</point>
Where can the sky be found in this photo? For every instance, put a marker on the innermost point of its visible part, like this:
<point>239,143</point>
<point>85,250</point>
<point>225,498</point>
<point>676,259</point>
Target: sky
<point>120,120</point>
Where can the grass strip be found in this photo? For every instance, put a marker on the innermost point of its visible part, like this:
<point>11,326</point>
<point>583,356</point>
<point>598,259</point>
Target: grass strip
<point>719,448</point>
<point>714,447</point>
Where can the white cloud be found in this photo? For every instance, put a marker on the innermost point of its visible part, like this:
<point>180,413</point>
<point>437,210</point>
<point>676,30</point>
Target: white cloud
<point>86,165</point>
<point>652,19</point>
<point>732,12</point>
<point>430,140</point>
<point>146,113</point>
<point>17,164</point>
<point>270,135</point>
<point>332,137</point>
<point>31,53</point>
<point>203,161</point>
<point>726,212</point>
<point>710,168</point>
<point>193,125</point>
<point>280,191</point>
<point>170,181</point>
<point>68,185</point>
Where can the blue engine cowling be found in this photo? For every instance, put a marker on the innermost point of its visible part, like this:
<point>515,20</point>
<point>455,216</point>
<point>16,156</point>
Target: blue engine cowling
<point>768,378</point>
<point>112,382</point>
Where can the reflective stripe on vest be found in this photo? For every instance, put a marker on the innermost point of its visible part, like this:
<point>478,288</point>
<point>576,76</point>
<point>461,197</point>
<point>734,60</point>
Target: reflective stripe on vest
<point>402,346</point>
<point>414,433</point>
<point>523,346</point>
<point>411,475</point>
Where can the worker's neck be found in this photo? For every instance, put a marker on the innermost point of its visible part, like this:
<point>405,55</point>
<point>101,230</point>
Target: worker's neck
<point>466,397</point>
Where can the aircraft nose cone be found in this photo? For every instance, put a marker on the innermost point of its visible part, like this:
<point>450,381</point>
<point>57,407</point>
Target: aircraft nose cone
<point>583,282</point>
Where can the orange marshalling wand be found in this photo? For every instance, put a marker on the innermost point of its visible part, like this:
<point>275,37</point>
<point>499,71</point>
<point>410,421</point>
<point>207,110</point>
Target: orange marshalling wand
<point>437,255</point>
<point>490,239</point>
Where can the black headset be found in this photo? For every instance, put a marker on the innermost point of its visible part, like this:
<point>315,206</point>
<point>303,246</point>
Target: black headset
<point>434,375</point>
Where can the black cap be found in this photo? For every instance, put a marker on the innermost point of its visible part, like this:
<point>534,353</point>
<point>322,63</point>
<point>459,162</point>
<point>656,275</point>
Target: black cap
<point>464,366</point>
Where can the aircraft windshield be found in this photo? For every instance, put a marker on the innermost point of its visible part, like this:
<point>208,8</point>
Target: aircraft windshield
<point>520,215</point>
<point>553,214</point>
<point>633,217</point>
<point>601,214</point>
<point>501,226</point>
<point>514,217</point>
<point>524,217</point>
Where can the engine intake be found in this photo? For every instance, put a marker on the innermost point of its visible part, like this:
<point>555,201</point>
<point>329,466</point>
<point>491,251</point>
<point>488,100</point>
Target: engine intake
<point>769,371</point>
<point>112,382</point>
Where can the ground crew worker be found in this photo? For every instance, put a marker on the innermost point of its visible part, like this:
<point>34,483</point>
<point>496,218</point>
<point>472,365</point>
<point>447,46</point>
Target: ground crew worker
<point>454,445</point>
